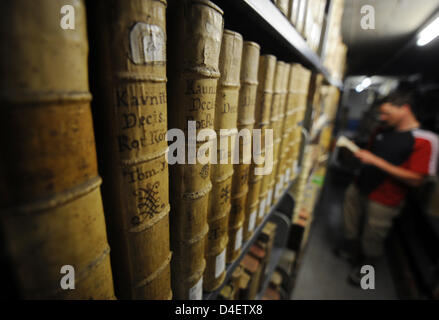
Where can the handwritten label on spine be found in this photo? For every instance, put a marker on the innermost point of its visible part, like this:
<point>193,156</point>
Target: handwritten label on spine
<point>144,184</point>
<point>199,103</point>
<point>141,118</point>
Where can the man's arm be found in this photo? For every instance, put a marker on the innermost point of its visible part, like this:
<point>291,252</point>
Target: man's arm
<point>409,177</point>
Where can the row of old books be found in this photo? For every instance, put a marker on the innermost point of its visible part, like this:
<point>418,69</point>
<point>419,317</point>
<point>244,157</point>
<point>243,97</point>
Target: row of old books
<point>215,207</point>
<point>334,52</point>
<point>171,227</point>
<point>274,290</point>
<point>306,190</point>
<point>309,19</point>
<point>247,279</point>
<point>307,16</point>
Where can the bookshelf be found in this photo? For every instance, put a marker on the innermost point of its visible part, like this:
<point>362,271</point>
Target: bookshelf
<point>272,20</point>
<point>276,254</point>
<point>246,246</point>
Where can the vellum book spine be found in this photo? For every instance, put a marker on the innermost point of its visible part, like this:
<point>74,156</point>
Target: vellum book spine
<point>291,124</point>
<point>264,97</point>
<point>226,113</point>
<point>302,84</point>
<point>51,212</point>
<point>241,188</point>
<point>283,6</point>
<point>246,119</point>
<point>284,145</point>
<point>275,123</point>
<point>304,96</point>
<point>194,73</point>
<point>133,107</point>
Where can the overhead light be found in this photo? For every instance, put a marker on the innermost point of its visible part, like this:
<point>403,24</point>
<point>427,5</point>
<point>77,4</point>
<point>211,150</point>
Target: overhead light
<point>363,85</point>
<point>429,33</point>
<point>359,88</point>
<point>366,83</point>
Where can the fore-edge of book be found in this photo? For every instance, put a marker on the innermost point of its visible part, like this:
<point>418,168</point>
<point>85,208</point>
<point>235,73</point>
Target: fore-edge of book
<point>345,142</point>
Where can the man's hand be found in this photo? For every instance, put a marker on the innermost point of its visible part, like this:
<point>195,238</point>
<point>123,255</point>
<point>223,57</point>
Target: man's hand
<point>367,157</point>
<point>409,177</point>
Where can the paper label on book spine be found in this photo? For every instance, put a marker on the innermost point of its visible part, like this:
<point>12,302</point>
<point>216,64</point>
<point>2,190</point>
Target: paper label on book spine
<point>220,263</point>
<point>238,239</point>
<point>269,198</point>
<point>196,292</point>
<point>252,221</point>
<point>288,174</point>
<point>279,186</point>
<point>295,167</point>
<point>147,43</point>
<point>262,208</point>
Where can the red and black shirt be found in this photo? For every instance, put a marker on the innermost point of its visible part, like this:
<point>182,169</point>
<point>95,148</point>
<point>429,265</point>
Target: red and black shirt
<point>415,150</point>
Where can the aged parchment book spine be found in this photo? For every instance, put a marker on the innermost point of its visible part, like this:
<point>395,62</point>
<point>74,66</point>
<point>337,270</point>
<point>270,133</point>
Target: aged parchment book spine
<point>243,185</point>
<point>264,97</point>
<point>302,82</point>
<point>193,76</point>
<point>51,212</point>
<point>284,145</point>
<point>276,124</point>
<point>303,93</point>
<point>291,124</point>
<point>226,114</point>
<point>132,104</point>
<point>283,6</point>
<point>246,120</point>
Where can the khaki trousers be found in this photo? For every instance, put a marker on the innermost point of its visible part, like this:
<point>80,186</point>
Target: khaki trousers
<point>367,221</point>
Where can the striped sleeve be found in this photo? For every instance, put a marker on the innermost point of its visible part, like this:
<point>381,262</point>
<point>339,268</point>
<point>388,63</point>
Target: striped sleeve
<point>425,153</point>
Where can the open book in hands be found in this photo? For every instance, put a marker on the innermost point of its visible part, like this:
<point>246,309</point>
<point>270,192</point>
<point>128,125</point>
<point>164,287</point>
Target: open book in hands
<point>342,141</point>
